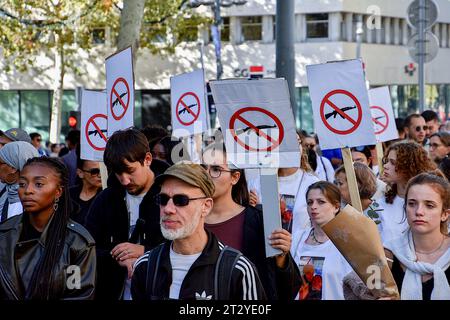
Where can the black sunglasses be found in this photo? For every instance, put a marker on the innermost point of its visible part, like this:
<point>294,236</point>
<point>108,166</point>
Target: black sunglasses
<point>424,128</point>
<point>93,172</point>
<point>180,200</point>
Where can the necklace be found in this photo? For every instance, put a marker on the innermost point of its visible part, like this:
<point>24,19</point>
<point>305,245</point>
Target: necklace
<point>435,250</point>
<point>314,237</point>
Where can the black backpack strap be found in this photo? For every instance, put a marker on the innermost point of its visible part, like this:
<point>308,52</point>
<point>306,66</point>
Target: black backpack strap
<point>154,257</point>
<point>225,264</point>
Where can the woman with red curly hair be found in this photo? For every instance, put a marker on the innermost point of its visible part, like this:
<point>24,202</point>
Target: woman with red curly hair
<point>402,161</point>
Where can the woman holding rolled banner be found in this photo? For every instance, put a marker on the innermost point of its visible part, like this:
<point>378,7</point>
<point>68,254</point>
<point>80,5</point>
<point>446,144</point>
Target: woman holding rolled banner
<point>367,186</point>
<point>321,265</point>
<point>421,256</point>
<point>240,226</point>
<point>403,160</point>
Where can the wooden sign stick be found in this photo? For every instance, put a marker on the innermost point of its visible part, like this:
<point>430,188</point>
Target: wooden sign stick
<point>380,154</point>
<point>104,175</point>
<point>351,179</point>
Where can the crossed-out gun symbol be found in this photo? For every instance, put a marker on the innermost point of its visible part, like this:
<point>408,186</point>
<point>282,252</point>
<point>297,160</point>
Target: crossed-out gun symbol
<point>336,113</point>
<point>117,99</point>
<point>379,117</point>
<point>187,107</point>
<point>248,129</point>
<point>96,132</point>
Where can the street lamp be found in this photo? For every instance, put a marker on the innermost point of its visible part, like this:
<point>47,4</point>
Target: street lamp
<point>215,28</point>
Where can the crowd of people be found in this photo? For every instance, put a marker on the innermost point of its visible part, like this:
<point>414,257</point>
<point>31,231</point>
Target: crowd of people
<point>167,229</point>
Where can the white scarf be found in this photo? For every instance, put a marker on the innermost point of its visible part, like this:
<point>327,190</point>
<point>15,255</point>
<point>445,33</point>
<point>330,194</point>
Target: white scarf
<point>403,249</point>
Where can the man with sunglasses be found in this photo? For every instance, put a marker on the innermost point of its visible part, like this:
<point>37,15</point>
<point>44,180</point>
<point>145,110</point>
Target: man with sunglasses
<point>83,195</point>
<point>124,218</point>
<point>187,266</point>
<point>416,128</point>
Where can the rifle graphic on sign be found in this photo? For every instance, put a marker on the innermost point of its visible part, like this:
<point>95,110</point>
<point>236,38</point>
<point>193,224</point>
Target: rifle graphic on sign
<point>377,118</point>
<point>117,99</point>
<point>187,107</point>
<point>247,129</point>
<point>96,132</point>
<point>335,112</point>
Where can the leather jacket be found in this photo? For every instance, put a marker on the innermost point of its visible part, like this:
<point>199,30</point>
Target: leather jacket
<point>74,274</point>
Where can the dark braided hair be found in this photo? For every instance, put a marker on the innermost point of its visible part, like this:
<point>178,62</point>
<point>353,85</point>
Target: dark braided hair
<point>41,284</point>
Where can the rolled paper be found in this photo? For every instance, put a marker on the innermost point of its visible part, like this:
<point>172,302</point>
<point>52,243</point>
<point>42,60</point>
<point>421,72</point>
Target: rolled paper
<point>358,240</point>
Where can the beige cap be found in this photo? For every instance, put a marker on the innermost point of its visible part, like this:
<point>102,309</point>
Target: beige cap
<point>191,173</point>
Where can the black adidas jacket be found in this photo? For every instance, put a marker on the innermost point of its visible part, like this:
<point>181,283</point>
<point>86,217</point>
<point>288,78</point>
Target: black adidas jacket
<point>199,281</point>
<point>108,223</point>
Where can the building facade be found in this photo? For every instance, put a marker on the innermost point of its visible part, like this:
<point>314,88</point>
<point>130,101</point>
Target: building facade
<point>325,30</point>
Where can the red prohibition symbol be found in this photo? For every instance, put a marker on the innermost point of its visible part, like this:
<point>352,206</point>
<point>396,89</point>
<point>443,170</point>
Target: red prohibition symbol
<point>383,124</point>
<point>116,99</point>
<point>340,112</point>
<point>238,115</point>
<point>95,130</point>
<point>183,107</point>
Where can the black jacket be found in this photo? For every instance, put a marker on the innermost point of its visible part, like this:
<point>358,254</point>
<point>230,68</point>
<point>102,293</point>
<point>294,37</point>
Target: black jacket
<point>108,222</point>
<point>18,260</point>
<point>198,283</point>
<point>279,284</point>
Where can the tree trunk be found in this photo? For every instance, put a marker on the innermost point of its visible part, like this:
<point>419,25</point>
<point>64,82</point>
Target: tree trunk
<point>130,25</point>
<point>55,117</point>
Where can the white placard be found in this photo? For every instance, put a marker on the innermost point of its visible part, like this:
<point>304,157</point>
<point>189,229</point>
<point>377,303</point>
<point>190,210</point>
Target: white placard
<point>120,90</point>
<point>340,104</point>
<point>257,122</point>
<point>188,104</point>
<point>383,118</point>
<point>94,125</point>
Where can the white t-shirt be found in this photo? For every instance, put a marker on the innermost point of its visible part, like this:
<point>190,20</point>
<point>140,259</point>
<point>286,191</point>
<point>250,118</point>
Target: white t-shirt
<point>292,189</point>
<point>324,170</point>
<point>393,221</point>
<point>180,266</point>
<point>381,190</point>
<point>323,278</point>
<point>133,202</point>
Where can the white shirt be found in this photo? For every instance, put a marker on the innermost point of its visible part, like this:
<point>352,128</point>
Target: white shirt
<point>381,190</point>
<point>393,220</point>
<point>293,188</point>
<point>133,202</point>
<point>329,264</point>
<point>180,266</point>
<point>324,170</point>
<point>296,185</point>
<point>14,209</point>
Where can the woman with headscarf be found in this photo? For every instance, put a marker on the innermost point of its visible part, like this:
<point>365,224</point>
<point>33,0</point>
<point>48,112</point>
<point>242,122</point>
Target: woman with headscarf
<point>13,157</point>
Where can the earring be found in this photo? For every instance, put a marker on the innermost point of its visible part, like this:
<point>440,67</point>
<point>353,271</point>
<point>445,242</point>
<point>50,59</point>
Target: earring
<point>55,205</point>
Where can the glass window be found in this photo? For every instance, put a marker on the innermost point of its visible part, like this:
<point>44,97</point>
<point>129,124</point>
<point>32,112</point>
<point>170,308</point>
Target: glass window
<point>156,107</point>
<point>9,109</point>
<point>35,109</point>
<point>137,109</point>
<point>317,25</point>
<point>251,28</point>
<point>225,30</point>
<point>69,103</point>
<point>274,19</point>
<point>98,36</point>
